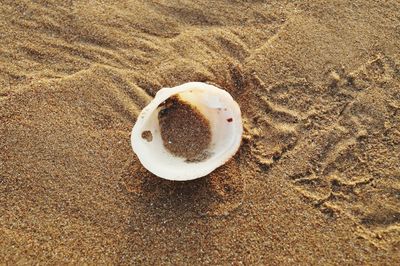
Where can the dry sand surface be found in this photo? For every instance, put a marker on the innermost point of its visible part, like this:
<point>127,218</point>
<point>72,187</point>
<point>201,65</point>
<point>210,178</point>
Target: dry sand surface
<point>316,180</point>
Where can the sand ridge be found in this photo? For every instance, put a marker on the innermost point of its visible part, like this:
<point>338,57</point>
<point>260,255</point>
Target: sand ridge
<point>316,180</point>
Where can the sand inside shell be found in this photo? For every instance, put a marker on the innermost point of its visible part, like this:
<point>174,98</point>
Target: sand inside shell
<point>184,130</point>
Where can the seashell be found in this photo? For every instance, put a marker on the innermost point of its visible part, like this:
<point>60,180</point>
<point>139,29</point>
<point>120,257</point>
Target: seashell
<point>187,131</point>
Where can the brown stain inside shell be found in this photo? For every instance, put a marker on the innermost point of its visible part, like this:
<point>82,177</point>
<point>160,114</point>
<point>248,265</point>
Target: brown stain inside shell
<point>147,135</point>
<point>184,130</point>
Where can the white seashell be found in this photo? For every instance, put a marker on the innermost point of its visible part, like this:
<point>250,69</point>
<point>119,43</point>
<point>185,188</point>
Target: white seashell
<point>225,124</point>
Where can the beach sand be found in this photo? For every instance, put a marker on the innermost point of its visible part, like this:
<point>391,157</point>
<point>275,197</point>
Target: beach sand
<point>317,177</point>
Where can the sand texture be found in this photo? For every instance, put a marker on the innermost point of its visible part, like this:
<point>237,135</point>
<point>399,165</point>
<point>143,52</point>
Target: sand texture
<point>316,180</point>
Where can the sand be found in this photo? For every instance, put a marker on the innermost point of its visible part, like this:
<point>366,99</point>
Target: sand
<point>184,130</point>
<point>316,180</point>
